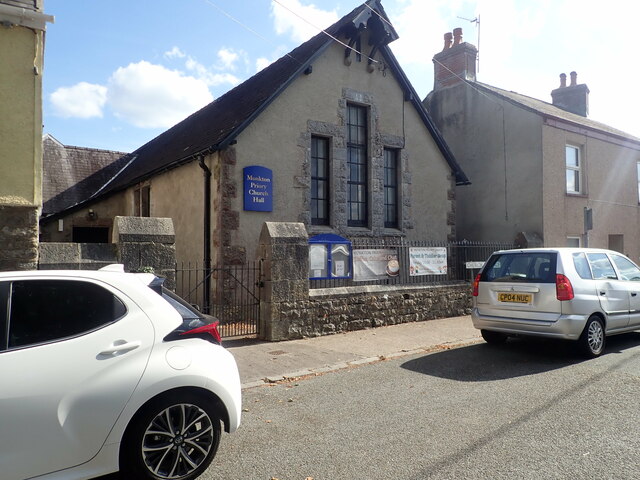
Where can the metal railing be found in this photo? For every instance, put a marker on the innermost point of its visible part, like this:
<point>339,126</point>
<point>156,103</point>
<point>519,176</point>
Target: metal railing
<point>463,262</point>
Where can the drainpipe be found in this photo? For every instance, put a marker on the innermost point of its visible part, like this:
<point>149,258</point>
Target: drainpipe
<point>207,234</point>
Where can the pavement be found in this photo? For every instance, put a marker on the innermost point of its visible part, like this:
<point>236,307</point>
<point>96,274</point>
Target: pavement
<point>263,363</point>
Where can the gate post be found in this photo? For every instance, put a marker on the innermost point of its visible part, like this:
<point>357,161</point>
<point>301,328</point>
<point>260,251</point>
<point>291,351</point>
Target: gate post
<point>284,249</point>
<point>144,242</point>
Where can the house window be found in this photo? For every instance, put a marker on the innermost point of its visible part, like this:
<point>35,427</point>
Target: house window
<point>142,201</point>
<point>319,181</point>
<point>574,169</point>
<point>616,243</point>
<point>390,188</point>
<point>574,242</point>
<point>357,139</point>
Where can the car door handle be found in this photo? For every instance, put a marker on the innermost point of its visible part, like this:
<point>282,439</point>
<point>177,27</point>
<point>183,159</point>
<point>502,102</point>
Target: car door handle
<point>121,347</point>
<point>633,294</point>
<point>603,293</point>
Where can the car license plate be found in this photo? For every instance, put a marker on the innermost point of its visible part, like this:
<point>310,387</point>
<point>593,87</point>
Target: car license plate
<point>512,297</point>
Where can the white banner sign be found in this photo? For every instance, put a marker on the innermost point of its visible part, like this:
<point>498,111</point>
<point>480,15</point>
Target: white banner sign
<point>427,261</point>
<point>374,264</point>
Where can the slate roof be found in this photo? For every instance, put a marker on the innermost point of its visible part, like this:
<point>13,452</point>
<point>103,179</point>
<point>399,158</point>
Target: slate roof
<point>73,174</point>
<point>28,4</point>
<point>216,125</point>
<point>549,110</point>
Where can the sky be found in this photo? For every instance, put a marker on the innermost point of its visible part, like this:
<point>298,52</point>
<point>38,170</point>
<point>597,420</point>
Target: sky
<point>120,72</point>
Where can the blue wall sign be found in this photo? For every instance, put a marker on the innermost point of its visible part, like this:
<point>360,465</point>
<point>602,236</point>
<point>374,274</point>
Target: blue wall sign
<point>258,188</point>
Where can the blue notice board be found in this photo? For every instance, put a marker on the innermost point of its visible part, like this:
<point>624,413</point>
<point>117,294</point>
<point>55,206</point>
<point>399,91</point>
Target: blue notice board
<point>258,188</point>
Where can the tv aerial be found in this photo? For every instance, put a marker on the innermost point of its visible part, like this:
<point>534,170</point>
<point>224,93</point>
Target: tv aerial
<point>477,22</point>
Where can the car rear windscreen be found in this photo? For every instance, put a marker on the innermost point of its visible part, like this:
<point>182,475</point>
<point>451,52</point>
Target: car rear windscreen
<point>527,267</point>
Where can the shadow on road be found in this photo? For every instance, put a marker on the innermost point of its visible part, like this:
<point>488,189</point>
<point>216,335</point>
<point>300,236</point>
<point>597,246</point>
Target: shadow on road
<point>517,357</point>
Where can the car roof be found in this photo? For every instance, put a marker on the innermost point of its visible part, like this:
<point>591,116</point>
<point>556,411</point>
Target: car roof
<point>109,274</point>
<point>559,250</point>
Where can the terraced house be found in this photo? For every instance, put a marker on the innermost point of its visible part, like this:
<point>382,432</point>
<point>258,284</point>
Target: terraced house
<point>543,172</point>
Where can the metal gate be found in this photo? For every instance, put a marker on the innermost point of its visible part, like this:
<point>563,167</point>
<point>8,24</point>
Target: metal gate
<point>231,293</point>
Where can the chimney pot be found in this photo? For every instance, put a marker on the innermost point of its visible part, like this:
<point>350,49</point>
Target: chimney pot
<point>457,36</point>
<point>574,79</point>
<point>563,80</point>
<point>448,38</point>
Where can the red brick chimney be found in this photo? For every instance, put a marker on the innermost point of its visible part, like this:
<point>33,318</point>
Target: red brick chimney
<point>573,98</point>
<point>456,62</point>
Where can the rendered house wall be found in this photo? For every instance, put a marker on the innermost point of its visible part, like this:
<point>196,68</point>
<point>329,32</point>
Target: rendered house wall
<point>20,145</point>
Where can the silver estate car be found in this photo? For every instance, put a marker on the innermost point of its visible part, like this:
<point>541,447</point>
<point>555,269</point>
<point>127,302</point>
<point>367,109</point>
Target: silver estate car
<point>580,294</point>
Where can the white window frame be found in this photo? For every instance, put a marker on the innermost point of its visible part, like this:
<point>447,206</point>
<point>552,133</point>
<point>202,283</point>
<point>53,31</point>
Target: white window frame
<point>638,175</point>
<point>574,169</point>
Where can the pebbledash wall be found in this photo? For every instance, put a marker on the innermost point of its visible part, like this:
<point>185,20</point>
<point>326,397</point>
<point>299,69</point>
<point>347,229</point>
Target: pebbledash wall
<point>290,310</point>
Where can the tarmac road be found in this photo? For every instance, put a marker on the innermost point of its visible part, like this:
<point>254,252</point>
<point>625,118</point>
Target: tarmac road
<point>526,410</point>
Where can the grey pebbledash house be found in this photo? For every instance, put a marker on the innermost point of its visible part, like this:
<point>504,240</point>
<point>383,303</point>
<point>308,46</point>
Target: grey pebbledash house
<point>331,136</point>
<point>543,173</point>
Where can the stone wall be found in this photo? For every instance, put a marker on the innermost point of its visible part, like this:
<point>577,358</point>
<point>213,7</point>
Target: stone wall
<point>18,238</point>
<point>335,310</point>
<point>146,243</point>
<point>289,309</point>
<point>139,243</point>
<point>76,256</point>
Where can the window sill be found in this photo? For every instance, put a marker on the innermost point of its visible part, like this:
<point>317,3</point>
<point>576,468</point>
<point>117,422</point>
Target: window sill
<point>320,229</point>
<point>359,231</point>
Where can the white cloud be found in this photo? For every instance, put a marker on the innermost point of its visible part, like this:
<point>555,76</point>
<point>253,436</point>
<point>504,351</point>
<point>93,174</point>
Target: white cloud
<point>209,77</point>
<point>288,18</point>
<point>175,52</point>
<point>83,100</point>
<point>262,63</point>
<point>151,96</point>
<point>228,58</point>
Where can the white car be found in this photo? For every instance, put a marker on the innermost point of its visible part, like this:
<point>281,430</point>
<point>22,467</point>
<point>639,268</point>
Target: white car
<point>106,371</point>
<point>581,294</point>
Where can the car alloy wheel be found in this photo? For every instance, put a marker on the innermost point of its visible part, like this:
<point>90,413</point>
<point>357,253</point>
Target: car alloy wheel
<point>172,439</point>
<point>177,441</point>
<point>593,337</point>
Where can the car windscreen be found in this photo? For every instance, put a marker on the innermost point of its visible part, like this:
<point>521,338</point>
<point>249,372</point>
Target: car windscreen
<point>525,267</point>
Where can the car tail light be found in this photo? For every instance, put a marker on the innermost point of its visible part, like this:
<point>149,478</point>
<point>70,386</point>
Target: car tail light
<point>204,331</point>
<point>196,328</point>
<point>476,284</point>
<point>564,289</point>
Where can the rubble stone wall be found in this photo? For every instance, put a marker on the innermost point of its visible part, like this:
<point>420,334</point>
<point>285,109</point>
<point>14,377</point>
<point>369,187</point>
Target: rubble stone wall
<point>141,244</point>
<point>18,238</point>
<point>290,309</point>
<point>335,310</point>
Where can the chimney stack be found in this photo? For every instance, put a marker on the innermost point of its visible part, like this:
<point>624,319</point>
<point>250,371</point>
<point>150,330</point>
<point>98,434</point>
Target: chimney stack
<point>573,98</point>
<point>456,62</point>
